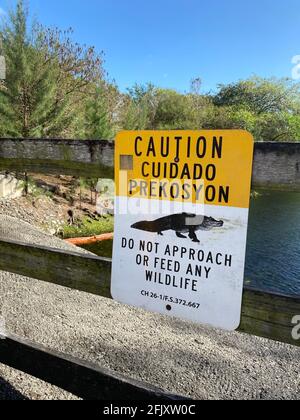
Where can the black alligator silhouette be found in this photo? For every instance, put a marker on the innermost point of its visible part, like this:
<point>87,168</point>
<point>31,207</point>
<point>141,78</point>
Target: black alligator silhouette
<point>180,223</point>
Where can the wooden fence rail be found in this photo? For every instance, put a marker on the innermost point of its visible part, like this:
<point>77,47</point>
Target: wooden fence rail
<point>64,268</point>
<point>83,379</point>
<point>276,165</point>
<point>263,314</point>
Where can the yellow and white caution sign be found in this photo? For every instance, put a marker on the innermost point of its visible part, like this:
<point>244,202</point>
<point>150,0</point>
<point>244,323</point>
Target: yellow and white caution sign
<point>182,203</point>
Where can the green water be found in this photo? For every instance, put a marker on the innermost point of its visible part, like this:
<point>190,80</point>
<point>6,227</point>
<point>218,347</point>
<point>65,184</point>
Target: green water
<point>273,249</point>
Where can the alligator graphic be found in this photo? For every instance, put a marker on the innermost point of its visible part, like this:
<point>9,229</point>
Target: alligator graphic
<point>183,223</point>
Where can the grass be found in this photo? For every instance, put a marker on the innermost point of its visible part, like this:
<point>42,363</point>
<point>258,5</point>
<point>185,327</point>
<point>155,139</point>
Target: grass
<point>33,190</point>
<point>102,249</point>
<point>89,227</point>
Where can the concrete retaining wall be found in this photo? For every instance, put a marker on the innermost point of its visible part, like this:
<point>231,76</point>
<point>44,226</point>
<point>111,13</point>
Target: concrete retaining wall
<point>277,165</point>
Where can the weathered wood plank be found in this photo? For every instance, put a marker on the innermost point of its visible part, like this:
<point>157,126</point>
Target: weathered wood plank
<point>69,269</point>
<point>263,314</point>
<point>269,315</point>
<point>276,165</point>
<point>84,379</point>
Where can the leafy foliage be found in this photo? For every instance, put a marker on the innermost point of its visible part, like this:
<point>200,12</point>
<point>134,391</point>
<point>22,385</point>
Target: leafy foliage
<point>58,88</point>
<point>268,108</point>
<point>96,123</point>
<point>47,76</point>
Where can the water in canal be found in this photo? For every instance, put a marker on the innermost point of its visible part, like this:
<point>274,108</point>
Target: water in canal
<point>273,251</point>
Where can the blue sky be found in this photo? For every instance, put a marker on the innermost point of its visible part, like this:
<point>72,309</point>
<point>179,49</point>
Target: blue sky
<point>168,42</point>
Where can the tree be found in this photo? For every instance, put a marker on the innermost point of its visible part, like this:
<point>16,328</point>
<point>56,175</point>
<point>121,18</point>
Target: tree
<point>196,85</point>
<point>268,108</point>
<point>139,107</point>
<point>260,95</point>
<point>294,127</point>
<point>173,110</point>
<point>47,77</point>
<point>96,117</point>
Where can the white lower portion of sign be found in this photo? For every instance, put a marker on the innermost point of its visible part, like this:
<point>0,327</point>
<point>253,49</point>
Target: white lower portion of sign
<point>161,267</point>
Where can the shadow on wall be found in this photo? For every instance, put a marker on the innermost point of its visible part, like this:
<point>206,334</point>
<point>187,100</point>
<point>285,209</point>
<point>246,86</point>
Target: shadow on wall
<point>8,392</point>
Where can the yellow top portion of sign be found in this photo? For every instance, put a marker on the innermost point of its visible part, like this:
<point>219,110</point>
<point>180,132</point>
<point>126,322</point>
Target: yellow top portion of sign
<point>205,167</point>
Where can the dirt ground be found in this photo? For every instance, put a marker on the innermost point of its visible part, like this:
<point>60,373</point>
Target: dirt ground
<point>48,207</point>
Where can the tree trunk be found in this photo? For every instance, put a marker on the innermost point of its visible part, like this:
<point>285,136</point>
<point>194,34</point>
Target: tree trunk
<point>26,188</point>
